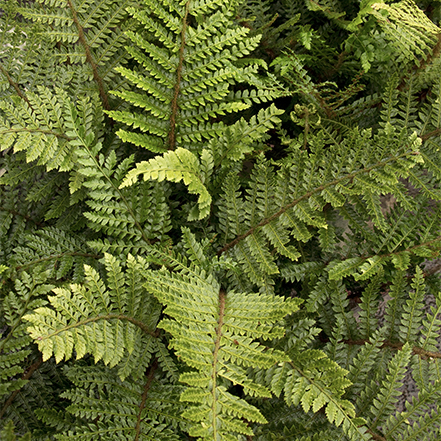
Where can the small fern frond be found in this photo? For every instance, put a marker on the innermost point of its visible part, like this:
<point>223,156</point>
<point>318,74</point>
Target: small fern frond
<point>412,316</point>
<point>389,391</point>
<point>8,433</point>
<point>175,166</point>
<point>407,28</point>
<point>88,34</point>
<point>418,417</point>
<point>398,294</point>
<point>305,387</point>
<point>40,126</point>
<point>15,344</point>
<point>430,325</point>
<point>369,306</point>
<point>364,362</point>
<point>52,250</point>
<point>242,137</point>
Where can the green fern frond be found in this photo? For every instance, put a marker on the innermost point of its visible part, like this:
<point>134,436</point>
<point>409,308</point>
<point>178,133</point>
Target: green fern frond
<point>186,74</point>
<point>418,417</point>
<point>339,301</point>
<point>398,294</point>
<point>242,137</point>
<point>40,126</point>
<point>106,322</point>
<point>301,206</point>
<point>407,28</point>
<point>25,62</point>
<point>304,387</point>
<point>175,166</point>
<point>8,433</point>
<point>89,34</point>
<point>17,362</point>
<point>139,213</point>
<point>54,251</point>
<point>204,320</point>
<point>369,306</point>
<point>339,270</point>
<point>389,390</point>
<point>431,323</point>
<point>143,409</point>
<point>363,364</point>
<point>413,309</point>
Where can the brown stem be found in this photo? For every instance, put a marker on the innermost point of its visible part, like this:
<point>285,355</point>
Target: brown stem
<point>26,375</point>
<point>435,132</point>
<point>14,85</point>
<point>174,104</point>
<point>375,436</point>
<point>398,347</point>
<point>57,256</point>
<point>300,199</point>
<point>25,216</point>
<point>89,57</point>
<point>138,323</point>
<point>425,354</point>
<point>150,376</point>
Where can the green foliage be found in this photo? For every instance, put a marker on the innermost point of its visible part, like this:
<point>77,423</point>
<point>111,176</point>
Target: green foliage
<point>187,69</point>
<point>9,435</point>
<point>218,218</point>
<point>177,165</point>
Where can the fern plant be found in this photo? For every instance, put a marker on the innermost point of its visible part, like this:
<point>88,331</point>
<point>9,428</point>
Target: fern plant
<point>219,220</point>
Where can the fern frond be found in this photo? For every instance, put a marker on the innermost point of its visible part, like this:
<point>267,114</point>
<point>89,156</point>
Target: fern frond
<point>175,166</point>
<point>89,33</point>
<point>17,362</point>
<point>92,318</point>
<point>413,309</point>
<point>304,386</point>
<point>25,61</point>
<point>53,250</point>
<point>139,214</point>
<point>214,333</point>
<point>363,364</point>
<point>141,409</point>
<point>8,433</point>
<point>388,392</point>
<point>40,125</point>
<point>407,28</point>
<point>242,137</point>
<point>187,70</point>
<point>417,418</point>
